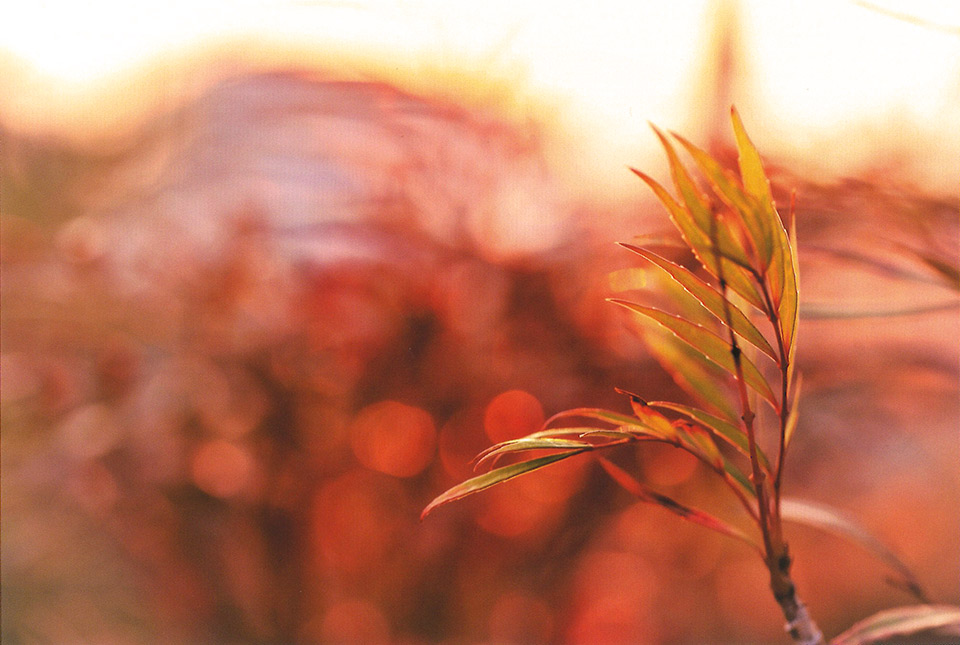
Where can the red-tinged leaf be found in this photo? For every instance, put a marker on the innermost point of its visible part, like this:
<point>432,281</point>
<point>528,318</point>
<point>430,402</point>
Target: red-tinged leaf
<point>704,380</point>
<point>529,443</point>
<point>494,477</point>
<point>834,521</point>
<point>727,431</point>
<point>597,414</point>
<point>711,299</point>
<point>736,275</point>
<point>641,492</point>
<point>727,187</point>
<point>713,347</point>
<point>649,417</point>
<point>903,621</point>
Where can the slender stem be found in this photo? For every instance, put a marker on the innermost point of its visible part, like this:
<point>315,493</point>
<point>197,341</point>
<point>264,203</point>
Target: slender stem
<point>777,323</point>
<point>800,625</point>
<point>747,415</point>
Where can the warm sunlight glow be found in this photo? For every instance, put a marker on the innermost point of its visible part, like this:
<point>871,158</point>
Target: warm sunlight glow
<point>608,69</point>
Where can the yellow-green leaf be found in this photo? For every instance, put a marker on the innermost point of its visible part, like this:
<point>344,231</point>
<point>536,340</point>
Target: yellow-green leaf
<point>748,210</point>
<point>494,477</point>
<point>704,380</point>
<point>707,343</point>
<point>711,299</point>
<point>793,416</point>
<point>598,414</point>
<point>727,431</point>
<point>529,443</point>
<point>735,271</point>
<point>754,178</point>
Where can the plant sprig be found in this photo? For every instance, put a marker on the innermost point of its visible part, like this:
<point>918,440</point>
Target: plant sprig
<point>716,351</point>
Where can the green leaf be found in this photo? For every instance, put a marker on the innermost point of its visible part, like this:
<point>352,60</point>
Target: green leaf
<point>732,434</point>
<point>902,621</point>
<point>726,186</point>
<point>529,443</point>
<point>834,521</point>
<point>494,477</point>
<point>713,347</point>
<point>735,269</point>
<point>704,380</point>
<point>641,492</point>
<point>711,299</point>
<point>755,180</point>
<point>789,309</point>
<point>598,414</point>
<point>686,188</point>
<point>701,443</point>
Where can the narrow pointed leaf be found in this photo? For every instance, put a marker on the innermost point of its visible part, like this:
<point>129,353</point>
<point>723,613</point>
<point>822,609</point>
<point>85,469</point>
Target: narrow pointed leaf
<point>698,240</point>
<point>597,414</point>
<point>711,299</point>
<point>494,477</point>
<point>728,244</point>
<point>745,206</point>
<point>527,443</point>
<point>627,433</point>
<point>686,188</point>
<point>902,621</point>
<point>789,308</point>
<point>755,180</point>
<point>704,380</point>
<point>701,443</point>
<point>836,522</point>
<point>709,344</point>
<point>649,417</point>
<point>727,431</point>
<point>641,492</point>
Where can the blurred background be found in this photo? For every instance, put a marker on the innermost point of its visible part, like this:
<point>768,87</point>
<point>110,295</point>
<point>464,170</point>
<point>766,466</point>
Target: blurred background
<point>273,273</point>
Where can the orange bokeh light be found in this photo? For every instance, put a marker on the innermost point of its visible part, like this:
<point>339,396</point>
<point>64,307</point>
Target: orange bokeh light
<point>511,415</point>
<point>393,438</point>
<point>221,468</point>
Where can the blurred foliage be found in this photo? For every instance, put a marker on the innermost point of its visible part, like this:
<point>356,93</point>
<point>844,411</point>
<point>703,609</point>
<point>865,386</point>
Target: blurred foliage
<point>243,349</point>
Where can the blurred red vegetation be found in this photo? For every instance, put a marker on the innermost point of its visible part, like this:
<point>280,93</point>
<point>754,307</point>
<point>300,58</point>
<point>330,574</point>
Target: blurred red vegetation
<point>241,352</point>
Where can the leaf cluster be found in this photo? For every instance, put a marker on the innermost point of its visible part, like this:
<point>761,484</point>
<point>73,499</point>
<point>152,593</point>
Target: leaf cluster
<point>730,341</point>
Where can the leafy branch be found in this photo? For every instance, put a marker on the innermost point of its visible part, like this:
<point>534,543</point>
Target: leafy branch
<point>715,350</point>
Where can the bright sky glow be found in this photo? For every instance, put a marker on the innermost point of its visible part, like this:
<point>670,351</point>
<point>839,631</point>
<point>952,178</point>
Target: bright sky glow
<point>611,66</point>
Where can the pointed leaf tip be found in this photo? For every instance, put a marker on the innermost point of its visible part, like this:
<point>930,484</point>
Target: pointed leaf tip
<point>494,477</point>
